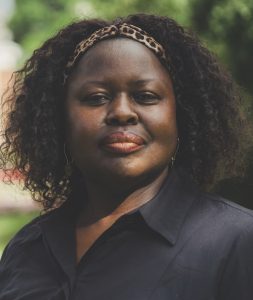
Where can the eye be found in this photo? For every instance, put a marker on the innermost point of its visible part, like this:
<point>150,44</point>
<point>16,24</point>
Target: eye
<point>96,99</point>
<point>146,98</point>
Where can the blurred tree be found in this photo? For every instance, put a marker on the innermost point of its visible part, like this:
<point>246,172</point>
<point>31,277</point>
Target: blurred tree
<point>34,21</point>
<point>228,29</point>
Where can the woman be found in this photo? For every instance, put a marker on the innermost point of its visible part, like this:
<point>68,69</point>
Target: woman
<point>113,124</point>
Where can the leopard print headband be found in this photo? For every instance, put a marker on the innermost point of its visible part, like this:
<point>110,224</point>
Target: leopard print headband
<point>124,30</point>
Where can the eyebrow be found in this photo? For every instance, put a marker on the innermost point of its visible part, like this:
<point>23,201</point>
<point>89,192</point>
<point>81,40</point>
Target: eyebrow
<point>135,82</point>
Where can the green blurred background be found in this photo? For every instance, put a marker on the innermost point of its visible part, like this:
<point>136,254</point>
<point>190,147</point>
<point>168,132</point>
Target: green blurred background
<point>224,26</point>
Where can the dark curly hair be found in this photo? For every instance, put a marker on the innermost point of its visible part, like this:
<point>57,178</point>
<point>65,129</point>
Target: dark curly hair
<point>212,128</point>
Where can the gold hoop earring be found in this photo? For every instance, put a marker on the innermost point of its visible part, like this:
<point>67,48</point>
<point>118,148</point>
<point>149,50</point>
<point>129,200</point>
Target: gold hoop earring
<point>173,159</point>
<point>69,164</point>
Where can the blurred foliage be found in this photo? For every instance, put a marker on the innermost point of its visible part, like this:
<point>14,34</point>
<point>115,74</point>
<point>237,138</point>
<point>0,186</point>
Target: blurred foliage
<point>34,21</point>
<point>225,26</point>
<point>228,28</point>
<point>172,8</point>
<point>10,224</point>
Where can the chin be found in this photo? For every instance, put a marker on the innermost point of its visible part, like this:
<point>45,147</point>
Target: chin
<point>128,174</point>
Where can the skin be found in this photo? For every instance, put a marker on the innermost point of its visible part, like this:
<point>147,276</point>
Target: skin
<point>119,85</point>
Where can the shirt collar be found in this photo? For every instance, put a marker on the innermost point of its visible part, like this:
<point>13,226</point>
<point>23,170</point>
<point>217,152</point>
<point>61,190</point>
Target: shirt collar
<point>166,212</point>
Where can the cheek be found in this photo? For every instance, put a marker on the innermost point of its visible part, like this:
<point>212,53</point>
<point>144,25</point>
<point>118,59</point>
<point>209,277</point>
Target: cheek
<point>79,130</point>
<point>162,123</point>
<point>165,133</point>
<point>80,122</point>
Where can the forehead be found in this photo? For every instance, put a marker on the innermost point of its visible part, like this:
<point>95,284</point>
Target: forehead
<point>119,57</point>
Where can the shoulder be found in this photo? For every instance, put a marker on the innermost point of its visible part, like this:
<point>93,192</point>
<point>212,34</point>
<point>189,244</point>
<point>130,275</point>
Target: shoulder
<point>32,233</point>
<point>212,207</point>
<point>26,236</point>
<point>232,226</point>
<point>234,222</point>
<point>227,228</point>
<point>230,214</point>
<point>220,232</point>
<point>219,225</point>
<point>212,214</point>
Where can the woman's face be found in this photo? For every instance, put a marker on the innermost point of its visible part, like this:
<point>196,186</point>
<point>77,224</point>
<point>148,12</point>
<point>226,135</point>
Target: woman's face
<point>121,113</point>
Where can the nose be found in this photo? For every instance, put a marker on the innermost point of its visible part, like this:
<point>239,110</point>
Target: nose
<point>121,112</point>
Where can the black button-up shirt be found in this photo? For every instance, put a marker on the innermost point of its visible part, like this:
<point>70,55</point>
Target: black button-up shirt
<point>183,244</point>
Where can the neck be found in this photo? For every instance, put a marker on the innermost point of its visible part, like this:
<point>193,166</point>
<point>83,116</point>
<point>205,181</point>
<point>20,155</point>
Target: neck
<point>115,200</point>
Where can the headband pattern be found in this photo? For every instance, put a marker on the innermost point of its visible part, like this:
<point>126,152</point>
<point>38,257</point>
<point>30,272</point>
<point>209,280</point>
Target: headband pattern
<point>121,30</point>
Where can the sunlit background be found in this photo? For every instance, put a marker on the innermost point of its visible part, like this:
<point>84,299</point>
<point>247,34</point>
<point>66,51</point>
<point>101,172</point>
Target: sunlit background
<point>224,26</point>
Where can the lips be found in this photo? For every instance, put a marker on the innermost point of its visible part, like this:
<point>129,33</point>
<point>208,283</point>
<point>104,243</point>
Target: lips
<point>122,142</point>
